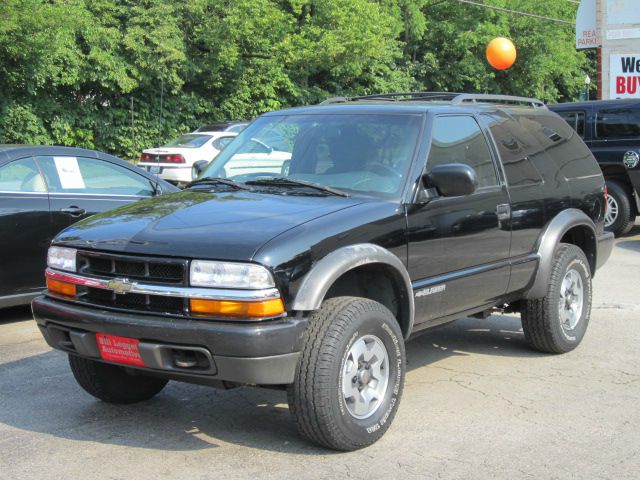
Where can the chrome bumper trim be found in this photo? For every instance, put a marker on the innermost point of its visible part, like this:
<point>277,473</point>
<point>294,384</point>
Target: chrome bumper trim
<point>123,286</point>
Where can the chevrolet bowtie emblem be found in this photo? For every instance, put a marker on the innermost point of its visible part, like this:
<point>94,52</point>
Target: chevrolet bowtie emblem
<point>119,285</point>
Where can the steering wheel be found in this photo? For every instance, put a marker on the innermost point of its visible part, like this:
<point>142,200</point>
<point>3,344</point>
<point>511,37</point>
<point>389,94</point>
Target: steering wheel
<point>262,144</point>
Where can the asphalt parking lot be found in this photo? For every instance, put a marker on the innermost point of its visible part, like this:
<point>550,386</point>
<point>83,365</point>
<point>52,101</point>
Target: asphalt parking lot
<point>477,404</point>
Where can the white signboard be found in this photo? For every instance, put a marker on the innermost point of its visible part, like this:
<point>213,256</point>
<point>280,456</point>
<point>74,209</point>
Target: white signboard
<point>69,172</point>
<point>623,12</point>
<point>624,80</point>
<point>623,33</point>
<point>586,25</point>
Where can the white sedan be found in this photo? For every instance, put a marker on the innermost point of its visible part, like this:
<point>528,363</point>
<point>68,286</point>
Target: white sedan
<point>173,161</point>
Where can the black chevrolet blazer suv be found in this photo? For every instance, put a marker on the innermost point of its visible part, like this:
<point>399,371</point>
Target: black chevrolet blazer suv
<point>324,237</point>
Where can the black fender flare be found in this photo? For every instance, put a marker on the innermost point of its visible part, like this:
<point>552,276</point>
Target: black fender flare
<point>549,240</point>
<point>326,271</point>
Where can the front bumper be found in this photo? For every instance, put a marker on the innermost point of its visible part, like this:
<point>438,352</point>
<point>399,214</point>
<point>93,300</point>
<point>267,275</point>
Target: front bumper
<point>261,353</point>
<point>604,248</point>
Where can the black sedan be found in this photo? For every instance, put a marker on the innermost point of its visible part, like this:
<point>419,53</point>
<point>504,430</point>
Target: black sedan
<point>46,189</point>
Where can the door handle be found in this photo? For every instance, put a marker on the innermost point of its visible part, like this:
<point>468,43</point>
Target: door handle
<point>504,211</point>
<point>73,211</point>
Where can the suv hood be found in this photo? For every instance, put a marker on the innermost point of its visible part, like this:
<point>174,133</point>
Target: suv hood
<point>225,226</point>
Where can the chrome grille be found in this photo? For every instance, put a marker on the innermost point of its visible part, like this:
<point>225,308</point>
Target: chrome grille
<point>150,270</point>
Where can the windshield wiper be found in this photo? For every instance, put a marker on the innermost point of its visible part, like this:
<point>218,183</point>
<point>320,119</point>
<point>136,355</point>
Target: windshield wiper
<point>219,181</point>
<point>285,181</point>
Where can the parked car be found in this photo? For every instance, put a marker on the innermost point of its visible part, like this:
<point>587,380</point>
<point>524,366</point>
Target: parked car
<point>235,126</point>
<point>256,156</point>
<point>173,161</point>
<point>611,129</point>
<point>46,189</point>
<point>391,217</point>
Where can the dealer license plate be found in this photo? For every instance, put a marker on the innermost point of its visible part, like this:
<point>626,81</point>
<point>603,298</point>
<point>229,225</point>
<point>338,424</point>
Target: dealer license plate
<point>119,349</point>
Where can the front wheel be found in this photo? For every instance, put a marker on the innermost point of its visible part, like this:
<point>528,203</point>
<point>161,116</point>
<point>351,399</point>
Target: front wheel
<point>350,374</point>
<point>112,383</point>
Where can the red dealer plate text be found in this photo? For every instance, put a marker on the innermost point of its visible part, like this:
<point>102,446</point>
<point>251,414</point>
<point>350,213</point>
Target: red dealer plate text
<point>119,349</point>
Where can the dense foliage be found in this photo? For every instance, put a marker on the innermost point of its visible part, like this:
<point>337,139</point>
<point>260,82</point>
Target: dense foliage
<point>121,75</point>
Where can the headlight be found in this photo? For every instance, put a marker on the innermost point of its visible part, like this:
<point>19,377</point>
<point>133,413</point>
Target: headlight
<point>62,258</point>
<point>229,275</point>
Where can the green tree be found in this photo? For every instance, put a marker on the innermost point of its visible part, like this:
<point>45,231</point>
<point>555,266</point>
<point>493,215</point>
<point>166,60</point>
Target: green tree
<point>123,75</point>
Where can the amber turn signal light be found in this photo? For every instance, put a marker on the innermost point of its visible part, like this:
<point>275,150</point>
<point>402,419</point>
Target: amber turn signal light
<point>61,288</point>
<point>226,308</point>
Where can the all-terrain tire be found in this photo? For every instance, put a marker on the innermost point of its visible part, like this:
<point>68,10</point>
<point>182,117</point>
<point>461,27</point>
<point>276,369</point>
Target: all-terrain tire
<point>544,327</point>
<point>626,215</point>
<point>322,412</point>
<point>111,383</point>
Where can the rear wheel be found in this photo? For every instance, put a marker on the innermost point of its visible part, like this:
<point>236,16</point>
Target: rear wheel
<point>620,216</point>
<point>350,375</point>
<point>557,323</point>
<point>111,383</point>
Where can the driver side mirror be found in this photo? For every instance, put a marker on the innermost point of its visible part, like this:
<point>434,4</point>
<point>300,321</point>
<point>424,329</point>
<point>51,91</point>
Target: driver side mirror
<point>197,168</point>
<point>452,179</point>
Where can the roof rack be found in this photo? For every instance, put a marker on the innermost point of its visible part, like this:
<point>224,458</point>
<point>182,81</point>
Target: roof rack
<point>395,97</point>
<point>501,99</point>
<point>454,98</point>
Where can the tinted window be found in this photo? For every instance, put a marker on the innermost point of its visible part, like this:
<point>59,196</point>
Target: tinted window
<point>191,140</point>
<point>91,176</point>
<point>518,167</point>
<point>575,121</point>
<point>618,123</point>
<point>221,143</point>
<point>22,176</point>
<point>569,152</point>
<point>236,128</point>
<point>547,138</point>
<point>458,139</point>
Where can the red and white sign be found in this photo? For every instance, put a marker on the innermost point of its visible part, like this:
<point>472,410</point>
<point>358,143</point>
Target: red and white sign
<point>119,349</point>
<point>624,76</point>
<point>586,36</point>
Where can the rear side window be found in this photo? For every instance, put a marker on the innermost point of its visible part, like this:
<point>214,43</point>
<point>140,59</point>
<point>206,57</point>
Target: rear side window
<point>458,139</point>
<point>569,152</point>
<point>221,143</point>
<point>575,120</point>
<point>618,123</point>
<point>518,167</point>
<point>190,140</point>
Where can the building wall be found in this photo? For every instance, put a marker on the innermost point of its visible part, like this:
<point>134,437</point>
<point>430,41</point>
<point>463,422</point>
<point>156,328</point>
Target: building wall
<point>620,37</point>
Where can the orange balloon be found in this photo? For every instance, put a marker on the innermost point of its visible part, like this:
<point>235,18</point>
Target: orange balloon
<point>501,53</point>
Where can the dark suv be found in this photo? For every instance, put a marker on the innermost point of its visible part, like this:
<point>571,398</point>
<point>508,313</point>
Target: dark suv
<point>392,214</point>
<point>611,129</point>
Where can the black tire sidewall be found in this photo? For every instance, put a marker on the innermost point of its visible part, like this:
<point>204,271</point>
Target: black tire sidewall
<point>111,383</point>
<point>625,214</point>
<point>574,259</point>
<point>384,327</point>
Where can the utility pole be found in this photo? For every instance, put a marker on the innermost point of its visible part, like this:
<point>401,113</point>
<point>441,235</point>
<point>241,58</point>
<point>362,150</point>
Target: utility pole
<point>599,32</point>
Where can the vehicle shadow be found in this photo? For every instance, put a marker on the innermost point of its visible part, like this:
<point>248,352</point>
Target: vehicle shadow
<point>15,314</point>
<point>629,245</point>
<point>39,394</point>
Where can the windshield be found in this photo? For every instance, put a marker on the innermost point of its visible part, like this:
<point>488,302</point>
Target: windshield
<point>359,153</point>
<point>190,140</point>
